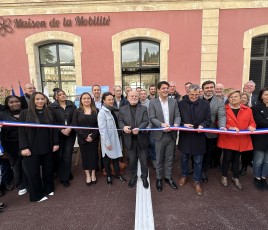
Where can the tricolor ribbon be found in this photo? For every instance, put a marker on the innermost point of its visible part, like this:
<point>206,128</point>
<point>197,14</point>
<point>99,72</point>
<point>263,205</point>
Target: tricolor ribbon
<point>173,128</point>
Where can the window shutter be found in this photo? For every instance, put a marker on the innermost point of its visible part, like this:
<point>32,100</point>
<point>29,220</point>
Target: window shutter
<point>256,73</point>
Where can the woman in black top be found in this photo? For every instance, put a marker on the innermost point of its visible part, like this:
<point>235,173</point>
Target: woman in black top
<point>260,142</point>
<point>62,110</point>
<point>10,141</point>
<point>88,139</point>
<point>37,146</point>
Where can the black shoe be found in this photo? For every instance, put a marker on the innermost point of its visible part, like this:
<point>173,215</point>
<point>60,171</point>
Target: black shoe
<point>171,183</point>
<point>243,171</point>
<point>204,177</point>
<point>121,178</point>
<point>9,187</point>
<point>132,183</point>
<point>159,185</point>
<point>94,181</point>
<point>66,184</point>
<point>109,180</point>
<point>2,193</point>
<point>145,183</point>
<point>264,184</point>
<point>89,183</point>
<point>258,183</point>
<point>218,166</point>
<point>2,205</point>
<point>71,177</point>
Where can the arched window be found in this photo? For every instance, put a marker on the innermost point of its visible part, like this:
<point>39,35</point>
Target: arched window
<point>140,63</point>
<point>259,62</point>
<point>58,68</point>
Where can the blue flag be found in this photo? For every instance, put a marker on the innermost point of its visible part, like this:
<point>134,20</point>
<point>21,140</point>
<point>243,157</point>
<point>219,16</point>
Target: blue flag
<point>21,91</point>
<point>12,91</point>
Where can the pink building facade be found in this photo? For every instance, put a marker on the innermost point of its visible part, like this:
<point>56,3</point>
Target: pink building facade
<point>192,44</point>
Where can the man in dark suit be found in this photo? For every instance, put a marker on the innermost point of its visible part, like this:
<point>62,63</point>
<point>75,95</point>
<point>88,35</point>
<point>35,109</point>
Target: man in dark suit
<point>218,118</point>
<point>163,113</point>
<point>247,158</point>
<point>195,113</point>
<point>29,89</point>
<point>119,99</point>
<point>131,118</point>
<point>173,92</point>
<point>249,87</point>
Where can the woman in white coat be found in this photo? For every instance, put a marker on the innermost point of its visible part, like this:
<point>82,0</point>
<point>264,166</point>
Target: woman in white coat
<point>110,144</point>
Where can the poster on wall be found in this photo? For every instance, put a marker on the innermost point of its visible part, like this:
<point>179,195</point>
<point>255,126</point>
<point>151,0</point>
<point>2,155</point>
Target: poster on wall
<point>81,89</point>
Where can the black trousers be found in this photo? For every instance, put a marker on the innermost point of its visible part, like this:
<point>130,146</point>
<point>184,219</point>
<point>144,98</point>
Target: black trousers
<point>246,158</point>
<point>15,160</point>
<point>39,186</point>
<point>19,176</point>
<point>137,152</point>
<point>216,158</point>
<point>6,173</point>
<point>230,156</point>
<point>207,158</point>
<point>106,162</point>
<point>65,156</point>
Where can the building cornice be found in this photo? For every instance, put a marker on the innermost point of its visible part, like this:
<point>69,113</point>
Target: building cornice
<point>26,7</point>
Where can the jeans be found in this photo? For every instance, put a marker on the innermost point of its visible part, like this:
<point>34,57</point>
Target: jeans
<point>197,175</point>
<point>260,163</point>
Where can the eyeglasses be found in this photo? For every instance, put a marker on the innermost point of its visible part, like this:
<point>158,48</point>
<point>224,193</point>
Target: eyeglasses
<point>31,88</point>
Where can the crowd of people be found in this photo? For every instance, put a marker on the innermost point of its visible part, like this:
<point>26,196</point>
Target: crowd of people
<point>111,128</point>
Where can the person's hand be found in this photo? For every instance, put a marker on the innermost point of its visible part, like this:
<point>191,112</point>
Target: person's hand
<point>66,132</point>
<point>55,148</point>
<point>234,128</point>
<point>251,129</point>
<point>127,129</point>
<point>89,139</point>
<point>166,127</point>
<point>109,147</point>
<point>26,152</point>
<point>199,127</point>
<point>188,126</point>
<point>135,131</point>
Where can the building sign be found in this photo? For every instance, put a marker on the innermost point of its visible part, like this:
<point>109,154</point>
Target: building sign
<point>8,25</point>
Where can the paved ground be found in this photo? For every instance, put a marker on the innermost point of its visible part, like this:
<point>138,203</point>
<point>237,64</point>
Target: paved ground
<point>103,207</point>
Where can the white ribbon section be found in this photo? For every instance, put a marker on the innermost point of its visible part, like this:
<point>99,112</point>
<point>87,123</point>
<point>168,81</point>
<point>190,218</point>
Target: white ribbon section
<point>144,218</point>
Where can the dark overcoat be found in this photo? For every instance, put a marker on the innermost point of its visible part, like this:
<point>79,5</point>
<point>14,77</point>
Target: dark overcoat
<point>193,142</point>
<point>260,114</point>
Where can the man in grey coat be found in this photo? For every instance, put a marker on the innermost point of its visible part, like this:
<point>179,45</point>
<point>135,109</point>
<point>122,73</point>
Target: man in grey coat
<point>163,113</point>
<point>218,118</point>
